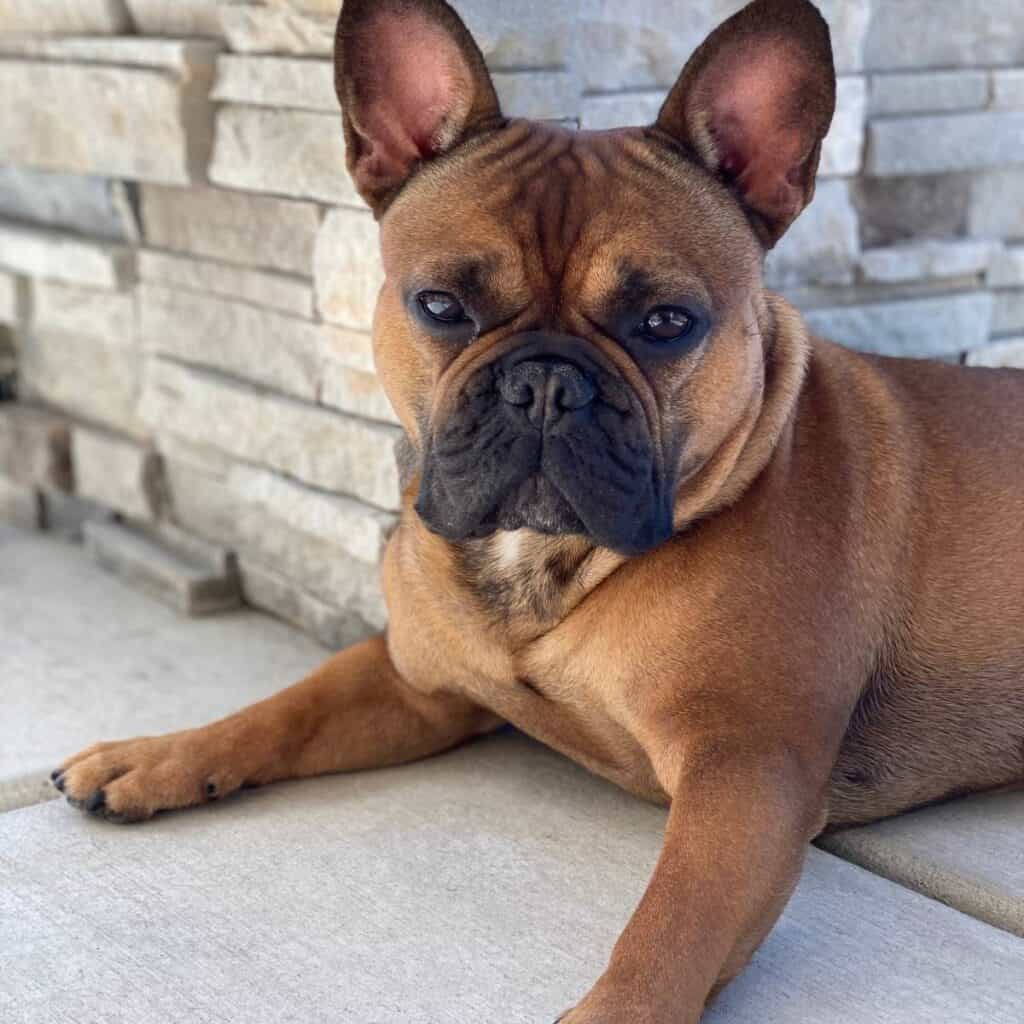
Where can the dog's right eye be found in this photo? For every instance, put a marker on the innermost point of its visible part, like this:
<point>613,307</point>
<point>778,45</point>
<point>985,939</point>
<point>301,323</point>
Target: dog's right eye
<point>442,307</point>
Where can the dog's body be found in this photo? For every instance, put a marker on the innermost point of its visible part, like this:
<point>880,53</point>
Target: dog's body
<point>768,581</point>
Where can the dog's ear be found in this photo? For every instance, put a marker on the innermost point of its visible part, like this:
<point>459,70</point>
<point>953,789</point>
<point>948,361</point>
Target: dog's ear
<point>754,103</point>
<point>412,84</point>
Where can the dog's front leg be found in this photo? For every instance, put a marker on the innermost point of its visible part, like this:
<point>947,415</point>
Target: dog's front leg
<point>736,839</point>
<point>353,712</point>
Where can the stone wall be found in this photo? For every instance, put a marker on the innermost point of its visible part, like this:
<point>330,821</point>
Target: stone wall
<point>187,277</point>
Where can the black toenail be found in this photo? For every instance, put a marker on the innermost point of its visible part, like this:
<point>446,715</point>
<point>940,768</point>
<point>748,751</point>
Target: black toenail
<point>96,801</point>
<point>59,781</point>
<point>54,774</point>
<point>211,790</point>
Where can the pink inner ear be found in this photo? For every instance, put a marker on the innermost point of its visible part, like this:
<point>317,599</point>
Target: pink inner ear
<point>417,88</point>
<point>754,118</point>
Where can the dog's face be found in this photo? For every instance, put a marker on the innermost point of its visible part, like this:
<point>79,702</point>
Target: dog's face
<point>571,325</point>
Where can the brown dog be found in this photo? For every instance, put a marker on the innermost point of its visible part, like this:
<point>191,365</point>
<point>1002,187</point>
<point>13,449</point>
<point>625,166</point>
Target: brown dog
<point>647,520</point>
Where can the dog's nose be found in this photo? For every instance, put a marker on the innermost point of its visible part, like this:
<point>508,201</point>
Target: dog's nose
<point>546,390</point>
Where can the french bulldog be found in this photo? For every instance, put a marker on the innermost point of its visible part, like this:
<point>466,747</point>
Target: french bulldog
<point>771,583</point>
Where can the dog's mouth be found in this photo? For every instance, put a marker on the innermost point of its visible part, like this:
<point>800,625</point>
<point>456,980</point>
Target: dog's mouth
<point>548,441</point>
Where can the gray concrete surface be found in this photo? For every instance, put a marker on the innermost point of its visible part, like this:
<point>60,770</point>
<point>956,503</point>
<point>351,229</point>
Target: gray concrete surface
<point>967,853</point>
<point>83,657</point>
<point>483,885</point>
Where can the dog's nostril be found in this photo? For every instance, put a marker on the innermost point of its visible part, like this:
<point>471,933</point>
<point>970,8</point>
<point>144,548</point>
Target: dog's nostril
<point>546,389</point>
<point>568,389</point>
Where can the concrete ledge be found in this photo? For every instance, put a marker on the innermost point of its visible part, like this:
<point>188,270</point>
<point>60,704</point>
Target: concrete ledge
<point>967,853</point>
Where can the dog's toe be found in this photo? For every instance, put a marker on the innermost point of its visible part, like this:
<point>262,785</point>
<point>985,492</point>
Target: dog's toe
<point>95,802</point>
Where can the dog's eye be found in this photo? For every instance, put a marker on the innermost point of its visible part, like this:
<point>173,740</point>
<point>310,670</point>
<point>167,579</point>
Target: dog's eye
<point>441,306</point>
<point>667,323</point>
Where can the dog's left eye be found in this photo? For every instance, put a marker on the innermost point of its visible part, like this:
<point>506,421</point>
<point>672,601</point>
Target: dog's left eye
<point>667,323</point>
<point>442,306</point>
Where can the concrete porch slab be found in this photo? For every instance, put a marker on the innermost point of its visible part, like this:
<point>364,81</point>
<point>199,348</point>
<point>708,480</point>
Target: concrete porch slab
<point>484,885</point>
<point>968,854</point>
<point>83,657</point>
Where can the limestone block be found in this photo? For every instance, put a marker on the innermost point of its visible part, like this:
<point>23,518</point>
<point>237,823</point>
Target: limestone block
<point>1008,316</point>
<point>1008,89</point>
<point>895,209</point>
<point>646,43</point>
<point>1007,270</point>
<point>926,259</point>
<point>176,18</point>
<point>308,442</point>
<point>10,306</point>
<point>89,205</point>
<point>927,92</point>
<point>616,110</point>
<point>280,292</point>
<point>116,473</point>
<point>231,226</point>
<point>949,142</point>
<point>302,84</point>
<point>63,257</point>
<point>527,34</point>
<point>95,17</point>
<point>188,59</point>
<point>277,351</point>
<point>1006,352</point>
<point>291,152</point>
<point>87,311</point>
<point>821,246</point>
<point>997,203</point>
<point>944,34</point>
<point>355,391</point>
<point>942,325</point>
<point>35,447</point>
<point>20,505</point>
<point>250,28</point>
<point>94,378</point>
<point>538,95</point>
<point>135,123</point>
<point>347,268</point>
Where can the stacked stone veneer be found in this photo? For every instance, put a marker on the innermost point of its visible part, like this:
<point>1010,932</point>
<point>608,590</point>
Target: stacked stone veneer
<point>187,277</point>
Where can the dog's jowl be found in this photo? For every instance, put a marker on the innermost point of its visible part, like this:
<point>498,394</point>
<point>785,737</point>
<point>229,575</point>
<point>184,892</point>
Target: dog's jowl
<point>647,519</point>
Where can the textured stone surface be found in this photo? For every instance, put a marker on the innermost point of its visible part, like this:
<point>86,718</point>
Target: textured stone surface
<point>894,209</point>
<point>64,16</point>
<point>1008,89</point>
<point>292,152</point>
<point>486,884</point>
<point>615,110</point>
<point>88,311</point>
<point>97,379</point>
<point>20,505</point>
<point>276,82</point>
<point>356,391</point>
<point>35,447</point>
<point>997,203</point>
<point>295,532</point>
<point>347,268</point>
<point>944,33</point>
<point>1008,316</point>
<point>280,352</point>
<point>528,34</point>
<point>958,853</point>
<point>928,92</point>
<point>93,206</point>
<point>320,447</point>
<point>255,230</point>
<point>646,43</point>
<point>1000,353</point>
<point>116,473</point>
<point>926,260</point>
<point>843,148</point>
<point>124,122</point>
<point>177,18</point>
<point>255,29</point>
<point>189,586</point>
<point>88,658</point>
<point>10,306</point>
<point>187,58</point>
<point>821,245</point>
<point>540,95</point>
<point>938,326</point>
<point>1007,270</point>
<point>953,142</point>
<point>279,292</point>
<point>53,255</point>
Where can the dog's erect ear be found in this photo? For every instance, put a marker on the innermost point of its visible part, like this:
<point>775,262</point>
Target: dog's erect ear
<point>412,84</point>
<point>754,103</point>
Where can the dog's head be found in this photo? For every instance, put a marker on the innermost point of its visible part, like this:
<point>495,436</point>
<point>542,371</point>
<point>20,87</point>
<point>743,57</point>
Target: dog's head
<point>572,323</point>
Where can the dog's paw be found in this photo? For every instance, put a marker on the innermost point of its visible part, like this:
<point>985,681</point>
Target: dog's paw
<point>131,780</point>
